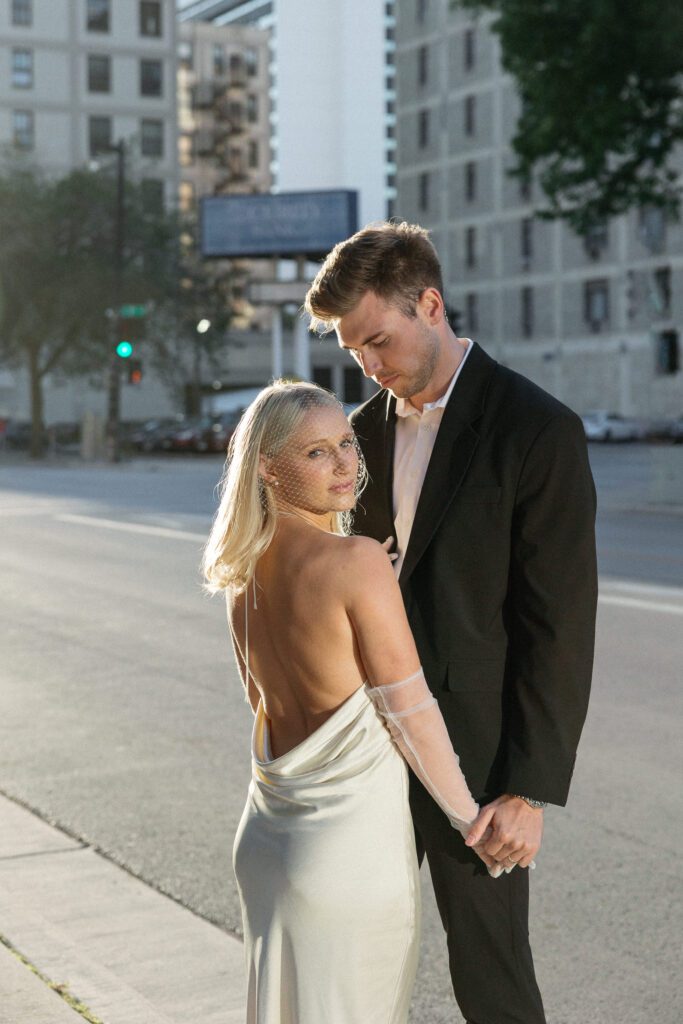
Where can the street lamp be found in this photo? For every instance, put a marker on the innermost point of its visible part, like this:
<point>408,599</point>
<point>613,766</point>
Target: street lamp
<point>202,327</point>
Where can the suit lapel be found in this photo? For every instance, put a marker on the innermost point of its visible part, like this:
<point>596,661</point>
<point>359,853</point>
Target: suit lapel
<point>455,444</point>
<point>378,451</point>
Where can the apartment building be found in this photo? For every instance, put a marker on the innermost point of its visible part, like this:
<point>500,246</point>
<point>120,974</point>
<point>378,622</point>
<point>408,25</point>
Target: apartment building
<point>77,77</point>
<point>594,321</point>
<point>224,133</point>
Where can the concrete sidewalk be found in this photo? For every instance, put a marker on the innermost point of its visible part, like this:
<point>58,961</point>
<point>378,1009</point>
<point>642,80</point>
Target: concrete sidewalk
<point>73,922</point>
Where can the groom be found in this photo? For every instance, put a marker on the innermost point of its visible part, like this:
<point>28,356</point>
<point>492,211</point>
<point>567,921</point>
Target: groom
<point>483,480</point>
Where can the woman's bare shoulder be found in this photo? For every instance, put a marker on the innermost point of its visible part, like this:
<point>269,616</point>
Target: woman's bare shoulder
<point>363,561</point>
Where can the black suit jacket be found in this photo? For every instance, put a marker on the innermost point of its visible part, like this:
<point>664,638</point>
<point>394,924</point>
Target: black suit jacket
<point>499,579</point>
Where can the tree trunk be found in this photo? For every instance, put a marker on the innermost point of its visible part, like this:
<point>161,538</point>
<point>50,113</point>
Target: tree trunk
<point>37,427</point>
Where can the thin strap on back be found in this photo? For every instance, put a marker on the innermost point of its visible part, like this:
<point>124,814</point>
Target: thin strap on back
<point>245,656</point>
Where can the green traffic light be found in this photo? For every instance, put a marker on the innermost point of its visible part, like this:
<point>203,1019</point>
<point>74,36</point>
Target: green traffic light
<point>124,349</point>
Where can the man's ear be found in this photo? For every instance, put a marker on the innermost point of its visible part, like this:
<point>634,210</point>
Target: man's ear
<point>431,306</point>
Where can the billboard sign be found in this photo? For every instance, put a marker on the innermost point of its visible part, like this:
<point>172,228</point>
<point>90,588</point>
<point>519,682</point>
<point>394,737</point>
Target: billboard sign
<point>285,224</point>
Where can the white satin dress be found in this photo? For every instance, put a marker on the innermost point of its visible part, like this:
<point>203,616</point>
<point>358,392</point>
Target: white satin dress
<point>328,877</point>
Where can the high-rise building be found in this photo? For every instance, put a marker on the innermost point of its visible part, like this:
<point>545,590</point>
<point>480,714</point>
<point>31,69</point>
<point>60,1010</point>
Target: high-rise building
<point>331,92</point>
<point>593,320</point>
<point>77,76</point>
<point>224,134</point>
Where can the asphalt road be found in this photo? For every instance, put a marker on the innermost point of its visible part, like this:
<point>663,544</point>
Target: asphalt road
<point>122,719</point>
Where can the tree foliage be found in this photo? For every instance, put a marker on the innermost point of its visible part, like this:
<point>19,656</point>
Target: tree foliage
<point>602,101</point>
<point>59,284</point>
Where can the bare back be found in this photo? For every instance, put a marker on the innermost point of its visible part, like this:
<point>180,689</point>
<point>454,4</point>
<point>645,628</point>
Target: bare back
<point>304,660</point>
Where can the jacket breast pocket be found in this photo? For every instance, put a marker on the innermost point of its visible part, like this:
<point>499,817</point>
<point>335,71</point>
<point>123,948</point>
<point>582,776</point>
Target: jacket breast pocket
<point>475,675</point>
<point>472,494</point>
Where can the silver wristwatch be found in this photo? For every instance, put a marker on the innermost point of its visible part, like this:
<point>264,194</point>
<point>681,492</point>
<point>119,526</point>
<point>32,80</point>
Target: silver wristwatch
<point>538,804</point>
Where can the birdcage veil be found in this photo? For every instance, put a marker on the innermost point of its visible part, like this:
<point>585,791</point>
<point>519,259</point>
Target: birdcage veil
<point>274,469</point>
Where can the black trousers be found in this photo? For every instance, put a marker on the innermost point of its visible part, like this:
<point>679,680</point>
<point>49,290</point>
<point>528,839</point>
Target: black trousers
<point>486,922</point>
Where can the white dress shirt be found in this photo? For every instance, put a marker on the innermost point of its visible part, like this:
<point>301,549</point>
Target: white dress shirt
<point>415,436</point>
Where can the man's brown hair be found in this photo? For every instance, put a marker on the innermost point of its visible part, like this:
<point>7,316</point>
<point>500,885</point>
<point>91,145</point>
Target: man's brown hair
<point>395,261</point>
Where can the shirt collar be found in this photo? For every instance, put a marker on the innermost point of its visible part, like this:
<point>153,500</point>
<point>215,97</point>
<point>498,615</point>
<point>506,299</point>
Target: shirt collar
<point>404,406</point>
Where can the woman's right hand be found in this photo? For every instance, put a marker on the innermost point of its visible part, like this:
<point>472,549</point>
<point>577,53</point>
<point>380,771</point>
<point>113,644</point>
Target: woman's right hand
<point>387,544</point>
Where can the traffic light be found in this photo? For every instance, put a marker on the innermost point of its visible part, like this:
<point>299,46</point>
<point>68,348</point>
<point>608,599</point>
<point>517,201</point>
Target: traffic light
<point>124,350</point>
<point>135,371</point>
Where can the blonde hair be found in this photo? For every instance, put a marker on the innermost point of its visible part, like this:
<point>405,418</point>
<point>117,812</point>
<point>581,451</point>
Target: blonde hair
<point>245,522</point>
<point>395,261</point>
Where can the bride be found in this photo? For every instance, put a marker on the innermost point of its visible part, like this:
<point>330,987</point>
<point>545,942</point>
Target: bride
<point>324,855</point>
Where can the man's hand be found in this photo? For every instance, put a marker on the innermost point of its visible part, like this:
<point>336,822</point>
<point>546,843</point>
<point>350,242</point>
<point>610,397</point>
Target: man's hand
<point>514,829</point>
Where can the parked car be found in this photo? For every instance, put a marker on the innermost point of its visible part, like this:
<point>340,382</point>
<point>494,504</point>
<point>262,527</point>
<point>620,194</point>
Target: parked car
<point>153,436</point>
<point>677,430</point>
<point>601,425</point>
<point>213,433</point>
<point>17,435</point>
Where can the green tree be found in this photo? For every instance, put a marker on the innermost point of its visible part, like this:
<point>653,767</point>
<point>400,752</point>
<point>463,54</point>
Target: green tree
<point>58,276</point>
<point>602,101</point>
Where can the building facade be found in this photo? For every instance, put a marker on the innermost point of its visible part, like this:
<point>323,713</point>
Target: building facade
<point>595,322</point>
<point>331,92</point>
<point>77,77</point>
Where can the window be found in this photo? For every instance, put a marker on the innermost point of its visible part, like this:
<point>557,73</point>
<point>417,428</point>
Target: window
<point>527,324</point>
<point>150,77</point>
<point>322,375</point>
<point>596,304</point>
<point>596,239</point>
<point>472,312</point>
<point>390,131</point>
<point>186,195</point>
<point>22,129</point>
<point>97,16</point>
<point>423,191</point>
<point>471,247</point>
<point>152,190</point>
<point>391,106</point>
<point>22,12</point>
<point>422,65</point>
<point>252,108</point>
<point>661,297</point>
<point>470,181</point>
<point>150,18</point>
<point>470,115</point>
<point>151,137</point>
<point>652,225</point>
<point>470,54</point>
<point>420,10</point>
<point>390,57</point>
<point>99,131</point>
<point>423,129</point>
<point>526,239</point>
<point>22,69</point>
<point>251,60</point>
<point>99,73</point>
<point>253,154</point>
<point>185,56</point>
<point>353,384</point>
<point>219,60</point>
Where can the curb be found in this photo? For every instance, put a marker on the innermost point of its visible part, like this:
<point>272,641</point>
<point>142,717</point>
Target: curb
<point>75,925</point>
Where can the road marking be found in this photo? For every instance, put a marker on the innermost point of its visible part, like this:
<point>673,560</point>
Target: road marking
<point>622,601</point>
<point>115,524</point>
<point>610,584</point>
